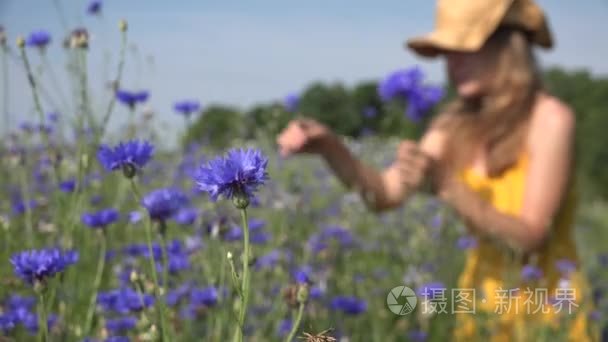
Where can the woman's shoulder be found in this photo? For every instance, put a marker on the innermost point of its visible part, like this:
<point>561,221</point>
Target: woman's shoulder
<point>551,116</point>
<point>552,122</point>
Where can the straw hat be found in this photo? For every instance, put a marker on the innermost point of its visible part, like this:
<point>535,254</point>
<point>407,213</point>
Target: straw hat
<point>465,25</point>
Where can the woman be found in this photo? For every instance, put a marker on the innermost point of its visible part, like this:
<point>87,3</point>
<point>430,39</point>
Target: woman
<point>501,155</point>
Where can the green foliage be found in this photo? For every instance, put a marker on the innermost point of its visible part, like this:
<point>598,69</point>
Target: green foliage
<point>217,126</point>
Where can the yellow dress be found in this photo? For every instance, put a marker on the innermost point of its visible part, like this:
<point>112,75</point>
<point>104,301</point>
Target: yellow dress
<point>507,307</point>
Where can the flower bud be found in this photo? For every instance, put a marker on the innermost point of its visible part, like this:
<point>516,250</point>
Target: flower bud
<point>240,200</point>
<point>122,25</point>
<point>302,293</point>
<point>20,42</point>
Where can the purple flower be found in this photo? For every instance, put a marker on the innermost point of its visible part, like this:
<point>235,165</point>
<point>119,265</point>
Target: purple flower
<point>400,83</point>
<point>320,241</point>
<point>135,216</point>
<point>94,7</point>
<point>186,216</point>
<point>531,273</point>
<point>100,219</point>
<point>466,242</point>
<point>284,327</point>
<point>38,265</point>
<point>291,102</point>
<point>175,296</point>
<point>130,156</point>
<point>39,39</point>
<point>187,107</point>
<point>117,339</point>
<point>269,260</point>
<point>407,85</point>
<point>130,98</point>
<point>303,274</point>
<point>124,301</point>
<point>163,203</point>
<point>417,336</point>
<point>204,297</point>
<point>122,324</point>
<point>67,185</point>
<point>420,100</point>
<point>240,172</point>
<point>348,305</point>
<point>565,267</point>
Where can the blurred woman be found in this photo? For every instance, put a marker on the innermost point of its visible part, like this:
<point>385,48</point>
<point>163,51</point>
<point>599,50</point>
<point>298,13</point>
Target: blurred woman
<point>501,154</point>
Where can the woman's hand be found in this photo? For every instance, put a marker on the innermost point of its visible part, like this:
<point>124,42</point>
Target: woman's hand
<point>413,164</point>
<point>302,136</point>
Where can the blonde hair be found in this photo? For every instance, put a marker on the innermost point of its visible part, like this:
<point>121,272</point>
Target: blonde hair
<point>498,119</point>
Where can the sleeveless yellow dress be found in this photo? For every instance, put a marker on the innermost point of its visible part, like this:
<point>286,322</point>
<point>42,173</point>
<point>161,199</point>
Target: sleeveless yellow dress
<point>507,307</point>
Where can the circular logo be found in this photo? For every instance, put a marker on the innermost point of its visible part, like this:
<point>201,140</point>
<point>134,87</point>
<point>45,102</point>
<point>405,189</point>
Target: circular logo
<point>401,300</point>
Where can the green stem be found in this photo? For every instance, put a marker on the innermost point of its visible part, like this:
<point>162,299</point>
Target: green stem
<point>33,86</point>
<point>96,283</point>
<point>159,297</point>
<point>217,334</point>
<point>245,278</point>
<point>296,324</point>
<point>5,94</point>
<point>121,64</point>
<point>29,225</point>
<point>43,333</point>
<point>165,279</point>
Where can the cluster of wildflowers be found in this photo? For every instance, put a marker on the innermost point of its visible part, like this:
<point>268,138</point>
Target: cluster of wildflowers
<point>407,85</point>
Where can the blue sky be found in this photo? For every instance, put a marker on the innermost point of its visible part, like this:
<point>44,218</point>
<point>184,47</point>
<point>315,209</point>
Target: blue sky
<point>248,52</point>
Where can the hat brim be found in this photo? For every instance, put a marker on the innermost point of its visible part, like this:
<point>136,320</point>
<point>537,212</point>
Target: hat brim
<point>438,42</point>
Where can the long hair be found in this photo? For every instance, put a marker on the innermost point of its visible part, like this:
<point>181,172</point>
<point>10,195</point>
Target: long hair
<point>498,120</point>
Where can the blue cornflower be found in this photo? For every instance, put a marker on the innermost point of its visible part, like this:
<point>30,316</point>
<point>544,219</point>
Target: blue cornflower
<point>531,273</point>
<point>38,265</point>
<point>123,301</point>
<point>565,267</point>
<point>130,156</point>
<point>349,305</point>
<point>417,336</point>
<point>122,324</point>
<point>285,327</point>
<point>269,260</point>
<point>303,274</point>
<point>421,99</point>
<point>52,117</point>
<point>186,216</point>
<point>407,85</point>
<point>131,98</point>
<point>239,173</point>
<point>400,83</point>
<point>67,185</point>
<point>187,107</point>
<point>39,39</point>
<point>100,219</point>
<point>94,7</point>
<point>7,322</point>
<point>204,297</point>
<point>320,241</point>
<point>466,242</point>
<point>117,339</point>
<point>291,102</point>
<point>163,203</point>
<point>135,216</point>
<point>175,296</point>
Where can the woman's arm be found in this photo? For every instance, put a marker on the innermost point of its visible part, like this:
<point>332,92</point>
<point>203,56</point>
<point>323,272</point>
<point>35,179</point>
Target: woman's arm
<point>386,189</point>
<point>551,148</point>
